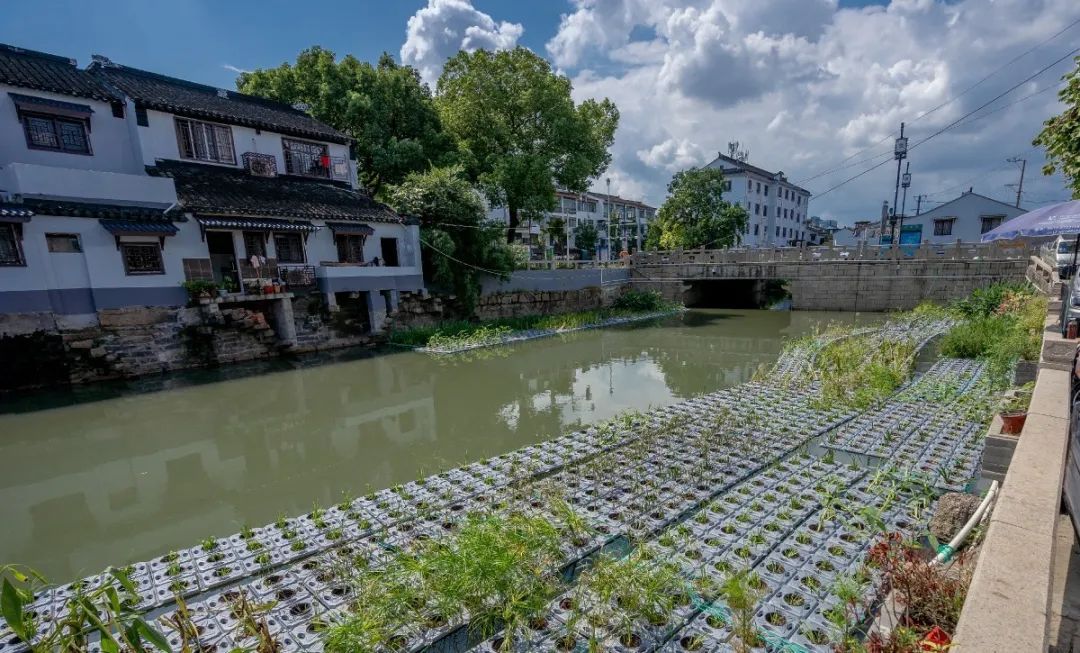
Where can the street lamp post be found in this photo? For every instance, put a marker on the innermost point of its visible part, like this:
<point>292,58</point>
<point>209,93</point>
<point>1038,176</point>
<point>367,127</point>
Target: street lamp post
<point>899,153</point>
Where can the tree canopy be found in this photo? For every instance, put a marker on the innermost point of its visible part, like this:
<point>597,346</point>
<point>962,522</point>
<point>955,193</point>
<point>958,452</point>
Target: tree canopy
<point>518,129</point>
<point>385,108</point>
<point>1060,135</point>
<point>457,242</point>
<point>585,237</point>
<point>695,213</point>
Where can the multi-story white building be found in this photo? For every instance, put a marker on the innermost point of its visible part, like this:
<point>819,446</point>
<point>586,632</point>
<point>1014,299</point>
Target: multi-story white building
<point>777,208</point>
<point>118,184</point>
<point>617,220</point>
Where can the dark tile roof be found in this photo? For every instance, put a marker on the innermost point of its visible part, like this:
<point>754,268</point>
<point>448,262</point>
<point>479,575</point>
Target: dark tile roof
<point>193,100</point>
<point>258,224</point>
<point>138,227</point>
<point>92,210</point>
<point>15,211</point>
<point>214,190</point>
<point>49,72</point>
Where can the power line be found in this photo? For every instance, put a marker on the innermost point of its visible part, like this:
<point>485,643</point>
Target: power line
<point>957,121</point>
<point>840,165</point>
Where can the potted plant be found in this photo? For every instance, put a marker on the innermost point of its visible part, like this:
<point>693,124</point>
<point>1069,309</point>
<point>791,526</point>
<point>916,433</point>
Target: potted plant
<point>227,286</point>
<point>1014,410</point>
<point>199,288</point>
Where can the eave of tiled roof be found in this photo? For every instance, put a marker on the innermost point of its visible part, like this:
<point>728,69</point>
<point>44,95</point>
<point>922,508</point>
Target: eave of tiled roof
<point>193,100</point>
<point>215,190</point>
<point>92,210</point>
<point>41,71</point>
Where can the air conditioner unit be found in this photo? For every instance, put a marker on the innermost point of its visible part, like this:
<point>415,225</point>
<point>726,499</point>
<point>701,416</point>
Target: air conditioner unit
<point>260,165</point>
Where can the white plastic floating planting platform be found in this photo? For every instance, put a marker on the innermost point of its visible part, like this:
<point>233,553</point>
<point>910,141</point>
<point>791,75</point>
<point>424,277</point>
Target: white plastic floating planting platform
<point>532,334</point>
<point>712,484</point>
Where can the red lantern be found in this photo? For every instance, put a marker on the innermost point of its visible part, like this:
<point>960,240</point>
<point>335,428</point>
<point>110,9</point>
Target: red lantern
<point>325,160</point>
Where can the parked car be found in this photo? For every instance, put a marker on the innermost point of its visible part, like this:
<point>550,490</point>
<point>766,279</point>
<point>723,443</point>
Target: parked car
<point>1064,251</point>
<point>1071,483</point>
<point>1070,303</point>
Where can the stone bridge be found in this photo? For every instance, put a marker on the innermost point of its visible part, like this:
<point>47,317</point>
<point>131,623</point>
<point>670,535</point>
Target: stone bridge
<point>865,278</point>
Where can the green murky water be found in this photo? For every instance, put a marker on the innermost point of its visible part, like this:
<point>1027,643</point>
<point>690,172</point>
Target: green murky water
<point>119,473</point>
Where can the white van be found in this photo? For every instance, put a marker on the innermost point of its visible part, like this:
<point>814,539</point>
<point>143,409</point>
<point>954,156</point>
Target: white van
<point>1064,251</point>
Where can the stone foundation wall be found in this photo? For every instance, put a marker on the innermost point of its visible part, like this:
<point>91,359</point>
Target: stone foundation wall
<point>424,310</point>
<point>43,349</point>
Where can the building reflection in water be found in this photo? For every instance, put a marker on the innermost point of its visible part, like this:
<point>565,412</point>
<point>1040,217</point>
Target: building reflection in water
<point>132,476</point>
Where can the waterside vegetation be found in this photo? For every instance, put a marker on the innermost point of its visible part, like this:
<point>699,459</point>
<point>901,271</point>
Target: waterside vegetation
<point>460,334</point>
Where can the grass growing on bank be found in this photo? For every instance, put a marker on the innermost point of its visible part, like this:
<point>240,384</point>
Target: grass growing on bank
<point>463,333</point>
<point>1000,324</point>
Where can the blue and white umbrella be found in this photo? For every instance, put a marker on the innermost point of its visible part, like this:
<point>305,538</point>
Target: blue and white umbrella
<point>1053,220</point>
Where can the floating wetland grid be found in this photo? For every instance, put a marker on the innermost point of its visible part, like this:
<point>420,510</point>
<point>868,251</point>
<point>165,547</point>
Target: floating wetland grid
<point>497,337</point>
<point>700,489</point>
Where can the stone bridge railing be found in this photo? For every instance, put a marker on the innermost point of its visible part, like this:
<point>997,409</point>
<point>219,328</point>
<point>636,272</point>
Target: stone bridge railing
<point>863,252</point>
<point>863,278</point>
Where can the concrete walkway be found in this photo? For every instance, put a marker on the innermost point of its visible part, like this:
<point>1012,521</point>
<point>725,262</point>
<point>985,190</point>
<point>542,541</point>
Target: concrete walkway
<point>1064,624</point>
<point>1008,607</point>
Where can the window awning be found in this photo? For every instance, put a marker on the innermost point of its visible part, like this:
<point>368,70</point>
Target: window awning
<point>350,228</point>
<point>255,224</point>
<point>15,213</point>
<point>54,107</point>
<point>138,228</point>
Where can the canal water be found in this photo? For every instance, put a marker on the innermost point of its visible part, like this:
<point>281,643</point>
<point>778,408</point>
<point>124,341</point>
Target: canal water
<point>119,473</point>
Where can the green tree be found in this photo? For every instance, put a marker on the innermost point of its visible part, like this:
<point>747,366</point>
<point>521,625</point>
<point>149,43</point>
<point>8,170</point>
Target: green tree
<point>695,214</point>
<point>555,230</point>
<point>385,109</point>
<point>585,237</point>
<point>518,129</point>
<point>1060,136</point>
<point>457,243</point>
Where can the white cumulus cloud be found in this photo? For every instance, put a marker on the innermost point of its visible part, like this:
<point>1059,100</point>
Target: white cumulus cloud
<point>805,84</point>
<point>444,27</point>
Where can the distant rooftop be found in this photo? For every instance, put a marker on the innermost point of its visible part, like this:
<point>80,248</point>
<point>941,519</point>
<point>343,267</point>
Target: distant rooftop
<point>163,93</point>
<point>730,165</point>
<point>41,71</point>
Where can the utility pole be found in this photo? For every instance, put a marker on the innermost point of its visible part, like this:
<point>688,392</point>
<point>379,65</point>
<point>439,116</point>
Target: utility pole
<point>899,153</point>
<point>1023,167</point>
<point>905,183</point>
<point>918,206</point>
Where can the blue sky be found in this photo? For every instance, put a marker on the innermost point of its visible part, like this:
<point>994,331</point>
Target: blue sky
<point>193,39</point>
<point>804,84</point>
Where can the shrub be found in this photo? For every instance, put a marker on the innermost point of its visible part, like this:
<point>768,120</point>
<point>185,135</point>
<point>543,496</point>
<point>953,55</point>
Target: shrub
<point>999,334</point>
<point>984,301</point>
<point>641,301</point>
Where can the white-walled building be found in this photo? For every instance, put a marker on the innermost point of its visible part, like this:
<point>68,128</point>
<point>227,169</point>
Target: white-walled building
<point>117,185</point>
<point>616,219</point>
<point>777,208</point>
<point>963,219</point>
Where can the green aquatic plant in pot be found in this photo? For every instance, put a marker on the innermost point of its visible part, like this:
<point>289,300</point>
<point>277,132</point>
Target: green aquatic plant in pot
<point>1014,410</point>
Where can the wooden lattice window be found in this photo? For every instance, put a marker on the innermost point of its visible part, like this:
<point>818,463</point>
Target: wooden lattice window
<point>306,158</point>
<point>254,244</point>
<point>142,258</point>
<point>350,247</point>
<point>45,132</point>
<point>289,248</point>
<point>10,246</point>
<point>204,141</point>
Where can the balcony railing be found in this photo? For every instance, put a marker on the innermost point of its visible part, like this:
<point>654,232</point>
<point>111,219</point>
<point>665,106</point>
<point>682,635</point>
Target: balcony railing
<point>316,165</point>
